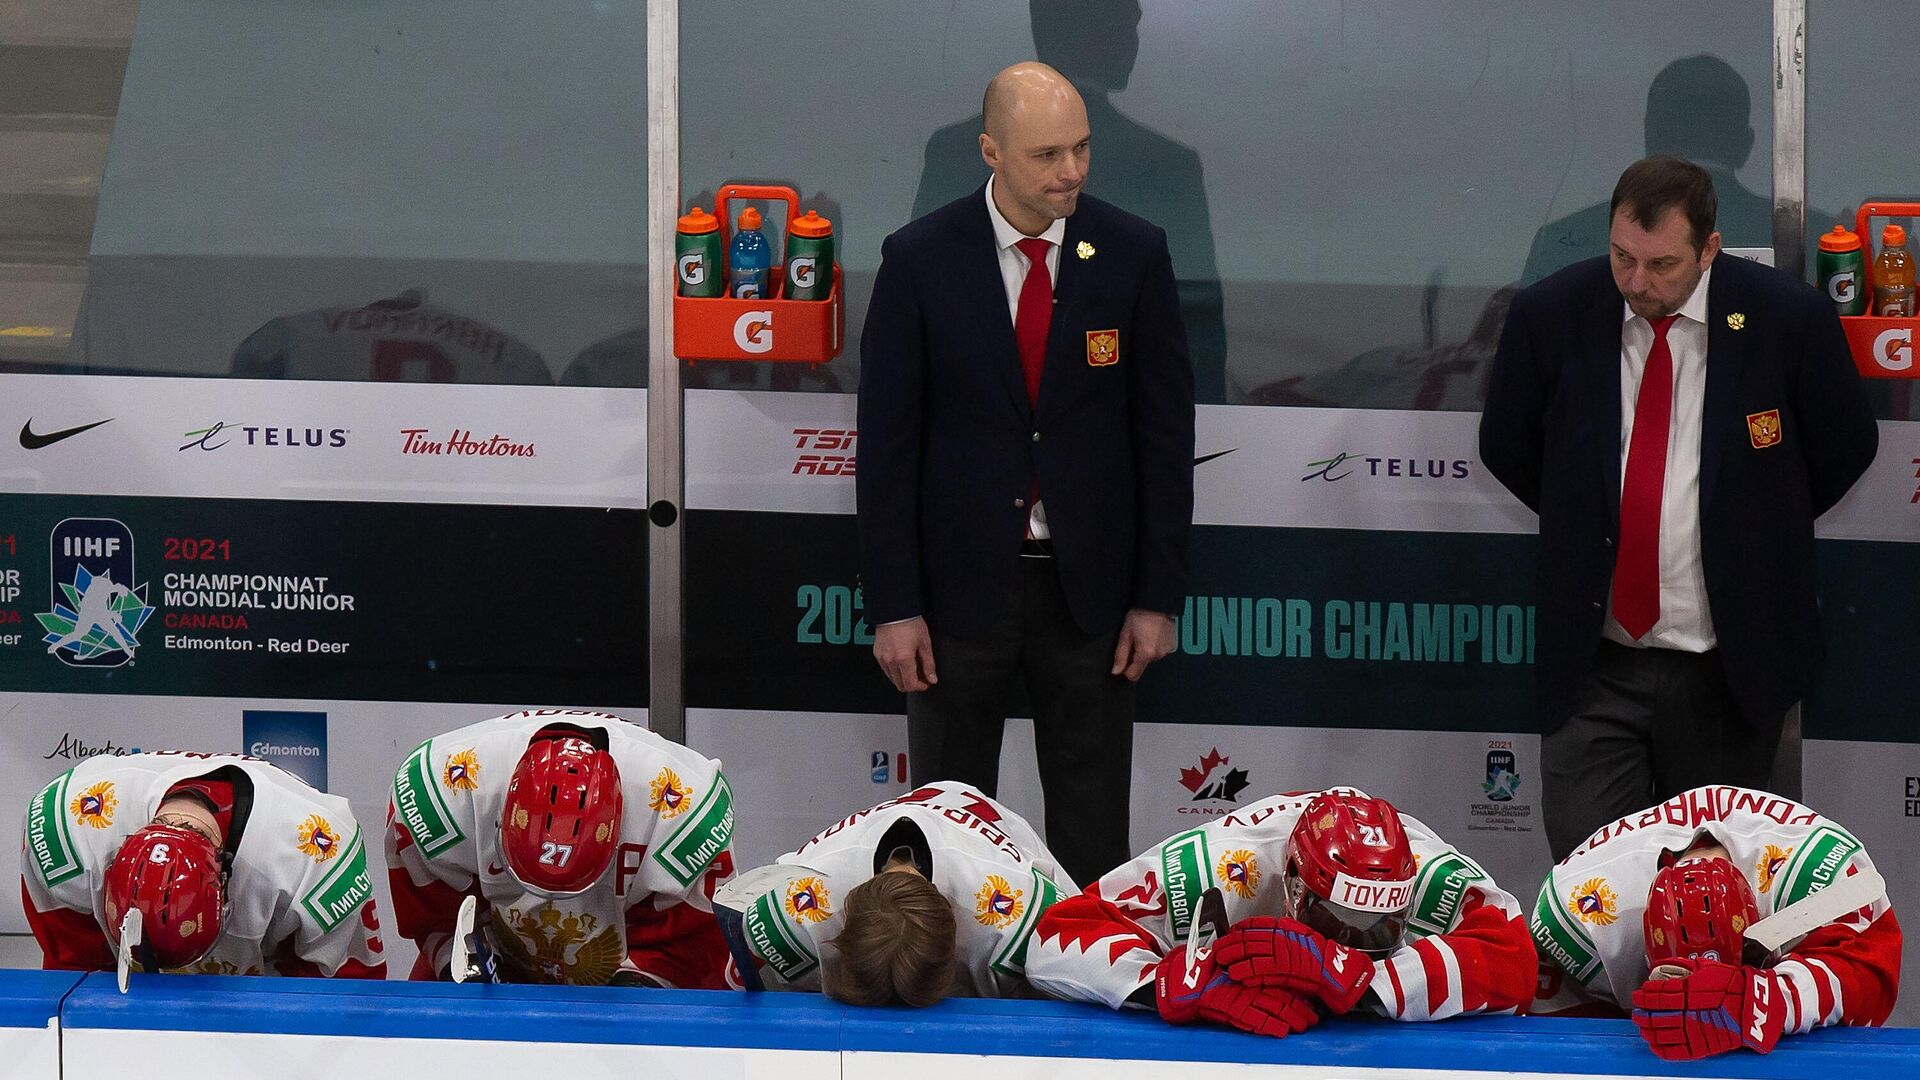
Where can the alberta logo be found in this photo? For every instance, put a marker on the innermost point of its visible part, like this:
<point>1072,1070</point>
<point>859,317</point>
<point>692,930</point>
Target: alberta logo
<point>1239,873</point>
<point>1209,783</point>
<point>1771,863</point>
<point>807,900</point>
<point>94,806</point>
<point>463,770</point>
<point>998,903</point>
<point>1594,902</point>
<point>317,839</point>
<point>667,796</point>
<point>98,610</point>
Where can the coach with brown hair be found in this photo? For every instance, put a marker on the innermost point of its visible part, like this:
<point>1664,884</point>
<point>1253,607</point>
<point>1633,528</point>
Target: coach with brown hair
<point>1678,418</point>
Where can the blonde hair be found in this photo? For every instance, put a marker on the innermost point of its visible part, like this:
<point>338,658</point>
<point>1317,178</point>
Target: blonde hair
<point>897,946</point>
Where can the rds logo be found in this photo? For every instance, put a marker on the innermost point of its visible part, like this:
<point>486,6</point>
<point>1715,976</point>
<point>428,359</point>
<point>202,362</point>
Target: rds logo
<point>753,331</point>
<point>1893,349</point>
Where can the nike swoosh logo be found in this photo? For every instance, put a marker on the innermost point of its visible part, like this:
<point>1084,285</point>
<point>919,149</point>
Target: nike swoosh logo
<point>31,441</point>
<point>495,870</point>
<point>1203,460</point>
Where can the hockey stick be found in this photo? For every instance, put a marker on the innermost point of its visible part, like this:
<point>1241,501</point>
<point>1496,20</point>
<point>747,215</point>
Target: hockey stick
<point>1208,924</point>
<point>1849,893</point>
<point>130,927</point>
<point>471,957</point>
<point>741,892</point>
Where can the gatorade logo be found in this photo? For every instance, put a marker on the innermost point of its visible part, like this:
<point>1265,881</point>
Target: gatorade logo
<point>693,269</point>
<point>1840,287</point>
<point>753,331</point>
<point>800,271</point>
<point>1893,349</point>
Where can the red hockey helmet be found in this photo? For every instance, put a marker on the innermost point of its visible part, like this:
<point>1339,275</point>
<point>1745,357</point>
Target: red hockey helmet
<point>1698,909</point>
<point>176,878</point>
<point>561,822</point>
<point>1350,871</point>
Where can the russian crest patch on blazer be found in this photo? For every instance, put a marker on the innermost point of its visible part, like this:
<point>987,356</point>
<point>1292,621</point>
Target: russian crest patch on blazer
<point>1764,428</point>
<point>1103,348</point>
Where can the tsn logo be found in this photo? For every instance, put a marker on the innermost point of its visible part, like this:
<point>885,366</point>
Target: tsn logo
<point>837,460</point>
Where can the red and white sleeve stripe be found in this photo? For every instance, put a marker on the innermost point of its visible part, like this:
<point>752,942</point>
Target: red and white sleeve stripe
<point>1486,965</point>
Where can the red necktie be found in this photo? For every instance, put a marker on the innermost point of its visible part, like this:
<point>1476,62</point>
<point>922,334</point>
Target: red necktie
<point>1636,569</point>
<point>1035,316</point>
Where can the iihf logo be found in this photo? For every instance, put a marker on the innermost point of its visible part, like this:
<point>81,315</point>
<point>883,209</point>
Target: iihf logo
<point>98,609</point>
<point>1503,779</point>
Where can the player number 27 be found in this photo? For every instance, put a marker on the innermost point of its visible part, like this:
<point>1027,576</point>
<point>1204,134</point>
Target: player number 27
<point>552,854</point>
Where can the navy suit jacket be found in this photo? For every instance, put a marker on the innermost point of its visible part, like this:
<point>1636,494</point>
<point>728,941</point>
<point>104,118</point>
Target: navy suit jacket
<point>949,446</point>
<point>1551,434</point>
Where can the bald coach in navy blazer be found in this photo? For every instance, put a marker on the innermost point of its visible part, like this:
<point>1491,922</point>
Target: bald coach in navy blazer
<point>1785,430</point>
<point>951,452</point>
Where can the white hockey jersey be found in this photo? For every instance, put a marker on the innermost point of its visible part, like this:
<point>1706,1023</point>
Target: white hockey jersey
<point>1466,949</point>
<point>402,339</point>
<point>1588,925</point>
<point>298,890</point>
<point>987,862</point>
<point>650,910</point>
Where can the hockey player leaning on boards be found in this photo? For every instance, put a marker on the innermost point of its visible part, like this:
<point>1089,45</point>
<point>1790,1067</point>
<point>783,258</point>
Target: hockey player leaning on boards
<point>934,893</point>
<point>1673,891</point>
<point>592,846</point>
<point>1332,901</point>
<point>235,867</point>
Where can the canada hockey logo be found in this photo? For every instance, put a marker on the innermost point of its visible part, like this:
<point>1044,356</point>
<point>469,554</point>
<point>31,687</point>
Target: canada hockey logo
<point>1771,863</point>
<point>1594,902</point>
<point>1239,873</point>
<point>317,839</point>
<point>998,904</point>
<point>807,900</point>
<point>98,609</point>
<point>1208,782</point>
<point>94,806</point>
<point>668,796</point>
<point>463,770</point>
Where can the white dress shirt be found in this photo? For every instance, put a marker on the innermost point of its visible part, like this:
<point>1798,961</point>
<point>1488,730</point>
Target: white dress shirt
<point>1685,622</point>
<point>1013,274</point>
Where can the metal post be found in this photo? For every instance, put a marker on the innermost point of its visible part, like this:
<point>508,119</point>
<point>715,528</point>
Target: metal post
<point>666,471</point>
<point>1790,136</point>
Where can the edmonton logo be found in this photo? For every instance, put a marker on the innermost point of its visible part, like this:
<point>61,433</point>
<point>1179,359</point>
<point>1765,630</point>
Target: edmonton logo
<point>98,609</point>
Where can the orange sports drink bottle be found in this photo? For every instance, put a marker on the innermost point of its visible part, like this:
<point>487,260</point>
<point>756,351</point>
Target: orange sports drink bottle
<point>1893,275</point>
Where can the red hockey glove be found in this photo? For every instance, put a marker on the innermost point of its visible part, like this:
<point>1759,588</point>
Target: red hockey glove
<point>1213,995</point>
<point>1715,1008</point>
<point>1284,953</point>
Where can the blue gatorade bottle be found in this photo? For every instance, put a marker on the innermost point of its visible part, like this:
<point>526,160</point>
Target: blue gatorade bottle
<point>749,259</point>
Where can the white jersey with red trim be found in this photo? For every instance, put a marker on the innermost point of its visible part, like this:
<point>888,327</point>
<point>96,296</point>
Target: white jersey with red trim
<point>987,862</point>
<point>402,339</point>
<point>676,830</point>
<point>1466,949</point>
<point>298,888</point>
<point>1588,919</point>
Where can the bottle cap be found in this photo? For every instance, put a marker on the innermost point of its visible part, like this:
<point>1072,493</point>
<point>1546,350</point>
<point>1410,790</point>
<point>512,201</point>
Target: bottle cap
<point>1840,239</point>
<point>811,224</point>
<point>749,219</point>
<point>1893,236</point>
<point>699,221</point>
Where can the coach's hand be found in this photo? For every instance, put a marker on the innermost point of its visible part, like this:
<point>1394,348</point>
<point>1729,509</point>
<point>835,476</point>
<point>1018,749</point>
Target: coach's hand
<point>905,652</point>
<point>1145,636</point>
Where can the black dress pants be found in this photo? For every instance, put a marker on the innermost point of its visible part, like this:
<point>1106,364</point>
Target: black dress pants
<point>1082,724</point>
